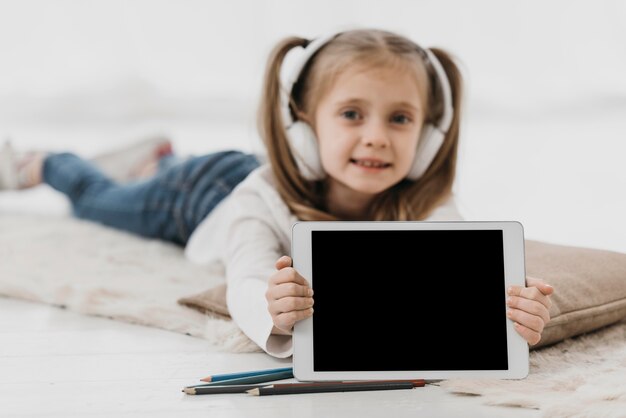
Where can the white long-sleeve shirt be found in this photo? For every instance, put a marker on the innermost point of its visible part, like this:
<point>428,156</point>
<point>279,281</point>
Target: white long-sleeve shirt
<point>246,233</point>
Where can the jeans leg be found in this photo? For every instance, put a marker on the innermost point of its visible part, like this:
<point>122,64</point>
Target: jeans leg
<point>213,181</point>
<point>170,160</point>
<point>144,207</point>
<point>167,206</point>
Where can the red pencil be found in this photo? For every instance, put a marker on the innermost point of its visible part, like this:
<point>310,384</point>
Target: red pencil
<point>321,387</point>
<point>414,382</point>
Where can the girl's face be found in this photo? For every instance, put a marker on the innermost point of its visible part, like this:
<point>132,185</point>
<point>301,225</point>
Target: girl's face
<point>368,126</point>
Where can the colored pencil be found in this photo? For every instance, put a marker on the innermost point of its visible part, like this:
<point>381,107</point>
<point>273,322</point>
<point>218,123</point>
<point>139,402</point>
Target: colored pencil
<point>269,377</point>
<point>324,387</point>
<point>229,376</point>
<point>214,390</point>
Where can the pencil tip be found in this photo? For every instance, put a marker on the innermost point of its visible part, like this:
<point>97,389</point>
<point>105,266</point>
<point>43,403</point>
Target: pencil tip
<point>206,379</point>
<point>189,391</point>
<point>253,392</point>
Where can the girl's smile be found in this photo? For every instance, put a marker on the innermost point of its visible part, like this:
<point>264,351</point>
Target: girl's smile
<point>372,164</point>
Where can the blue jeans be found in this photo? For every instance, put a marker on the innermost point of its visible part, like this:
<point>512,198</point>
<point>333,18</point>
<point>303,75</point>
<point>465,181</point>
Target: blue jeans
<point>168,206</point>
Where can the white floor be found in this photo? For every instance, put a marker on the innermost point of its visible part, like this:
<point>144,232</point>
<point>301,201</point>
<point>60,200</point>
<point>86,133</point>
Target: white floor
<point>57,363</point>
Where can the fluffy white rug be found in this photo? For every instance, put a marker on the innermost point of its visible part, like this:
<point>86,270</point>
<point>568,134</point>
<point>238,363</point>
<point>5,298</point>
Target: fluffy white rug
<point>579,377</point>
<point>100,271</point>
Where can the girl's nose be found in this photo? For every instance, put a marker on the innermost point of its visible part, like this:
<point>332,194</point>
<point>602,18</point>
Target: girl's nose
<point>375,135</point>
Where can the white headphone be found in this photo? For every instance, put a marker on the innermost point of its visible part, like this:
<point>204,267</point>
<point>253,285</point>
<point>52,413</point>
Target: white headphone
<point>303,141</point>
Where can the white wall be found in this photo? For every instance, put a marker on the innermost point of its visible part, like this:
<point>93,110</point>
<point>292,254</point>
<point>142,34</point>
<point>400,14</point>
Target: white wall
<point>518,55</point>
<point>546,94</point>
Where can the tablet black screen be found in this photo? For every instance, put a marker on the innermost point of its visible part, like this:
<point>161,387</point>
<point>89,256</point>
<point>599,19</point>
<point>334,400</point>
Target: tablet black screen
<point>409,300</point>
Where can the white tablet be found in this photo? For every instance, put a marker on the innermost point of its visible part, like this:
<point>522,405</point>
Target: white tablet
<point>409,300</point>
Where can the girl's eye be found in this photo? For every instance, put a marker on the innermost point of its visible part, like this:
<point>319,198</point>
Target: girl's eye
<point>401,119</point>
<point>351,114</point>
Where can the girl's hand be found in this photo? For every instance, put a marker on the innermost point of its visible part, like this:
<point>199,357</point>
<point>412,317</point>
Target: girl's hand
<point>289,297</point>
<point>528,308</point>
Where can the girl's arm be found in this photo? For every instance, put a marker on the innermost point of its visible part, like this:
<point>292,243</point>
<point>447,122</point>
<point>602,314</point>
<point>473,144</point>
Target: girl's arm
<point>529,308</point>
<point>251,253</point>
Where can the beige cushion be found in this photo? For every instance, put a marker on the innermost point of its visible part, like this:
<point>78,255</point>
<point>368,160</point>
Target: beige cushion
<point>211,301</point>
<point>589,289</point>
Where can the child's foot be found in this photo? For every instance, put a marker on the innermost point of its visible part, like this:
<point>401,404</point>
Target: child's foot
<point>135,161</point>
<point>19,171</point>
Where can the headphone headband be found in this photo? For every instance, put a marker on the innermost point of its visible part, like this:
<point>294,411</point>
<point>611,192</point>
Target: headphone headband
<point>293,64</point>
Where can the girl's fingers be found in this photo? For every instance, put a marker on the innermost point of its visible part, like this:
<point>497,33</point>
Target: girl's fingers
<point>286,275</point>
<point>282,262</point>
<point>532,337</point>
<point>532,322</point>
<point>544,288</point>
<point>289,296</point>
<point>286,320</point>
<point>532,293</point>
<point>288,289</point>
<point>530,306</point>
<point>289,304</point>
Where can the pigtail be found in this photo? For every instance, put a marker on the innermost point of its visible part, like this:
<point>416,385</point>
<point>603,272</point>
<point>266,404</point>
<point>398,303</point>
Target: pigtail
<point>302,196</point>
<point>435,186</point>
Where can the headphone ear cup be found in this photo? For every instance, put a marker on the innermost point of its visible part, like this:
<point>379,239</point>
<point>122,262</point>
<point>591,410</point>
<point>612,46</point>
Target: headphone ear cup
<point>305,150</point>
<point>428,145</point>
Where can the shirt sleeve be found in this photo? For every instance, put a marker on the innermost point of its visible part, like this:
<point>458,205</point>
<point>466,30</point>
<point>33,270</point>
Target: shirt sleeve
<point>252,250</point>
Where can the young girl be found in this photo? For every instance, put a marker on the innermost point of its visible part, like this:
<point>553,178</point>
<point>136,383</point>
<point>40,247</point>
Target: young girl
<point>358,125</point>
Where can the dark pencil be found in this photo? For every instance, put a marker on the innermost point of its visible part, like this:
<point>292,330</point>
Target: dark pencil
<point>288,374</point>
<point>218,389</point>
<point>221,389</point>
<point>208,390</point>
<point>321,387</point>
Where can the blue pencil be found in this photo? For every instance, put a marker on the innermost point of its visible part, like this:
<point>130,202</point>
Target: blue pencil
<point>231,376</point>
<point>260,378</point>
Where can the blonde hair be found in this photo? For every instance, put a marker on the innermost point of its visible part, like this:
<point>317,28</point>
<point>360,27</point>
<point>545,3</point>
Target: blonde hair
<point>407,200</point>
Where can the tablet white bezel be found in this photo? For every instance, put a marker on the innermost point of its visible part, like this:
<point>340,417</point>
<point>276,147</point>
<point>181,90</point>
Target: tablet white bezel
<point>514,269</point>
